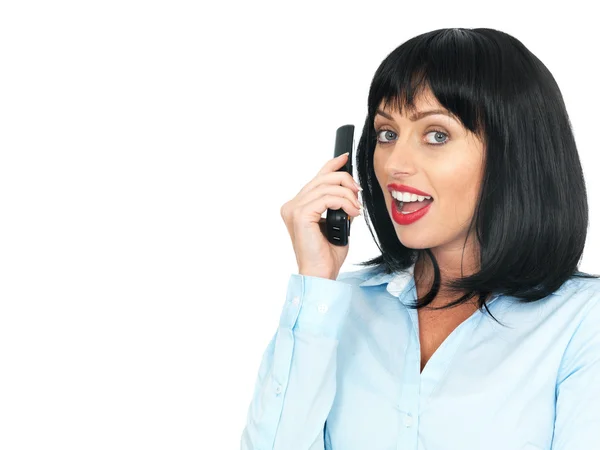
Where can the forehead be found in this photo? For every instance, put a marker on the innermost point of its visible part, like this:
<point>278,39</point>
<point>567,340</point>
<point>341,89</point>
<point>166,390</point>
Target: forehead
<point>424,101</point>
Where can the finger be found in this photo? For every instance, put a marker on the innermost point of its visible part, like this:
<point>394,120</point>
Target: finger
<point>311,211</point>
<point>341,177</point>
<point>323,189</point>
<point>334,164</point>
<point>332,178</point>
<point>330,174</point>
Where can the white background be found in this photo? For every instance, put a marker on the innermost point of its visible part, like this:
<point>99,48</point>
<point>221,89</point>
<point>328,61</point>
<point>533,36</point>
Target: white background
<point>146,150</point>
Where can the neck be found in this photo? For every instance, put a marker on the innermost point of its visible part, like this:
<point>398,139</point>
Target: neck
<point>424,276</point>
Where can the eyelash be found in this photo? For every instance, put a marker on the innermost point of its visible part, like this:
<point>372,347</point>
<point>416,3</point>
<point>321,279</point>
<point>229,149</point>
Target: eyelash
<point>377,132</point>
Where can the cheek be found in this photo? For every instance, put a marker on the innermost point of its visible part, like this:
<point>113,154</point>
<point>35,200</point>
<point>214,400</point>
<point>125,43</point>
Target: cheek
<point>378,164</point>
<point>458,184</point>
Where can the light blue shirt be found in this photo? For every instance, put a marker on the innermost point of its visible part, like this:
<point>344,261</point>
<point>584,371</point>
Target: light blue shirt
<point>342,372</point>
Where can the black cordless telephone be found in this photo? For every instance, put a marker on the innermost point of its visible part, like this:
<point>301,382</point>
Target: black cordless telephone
<point>338,222</point>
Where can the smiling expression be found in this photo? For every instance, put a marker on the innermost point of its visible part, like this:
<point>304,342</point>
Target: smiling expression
<point>435,153</point>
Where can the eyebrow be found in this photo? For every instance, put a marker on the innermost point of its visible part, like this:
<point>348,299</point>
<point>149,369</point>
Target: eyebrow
<point>418,115</point>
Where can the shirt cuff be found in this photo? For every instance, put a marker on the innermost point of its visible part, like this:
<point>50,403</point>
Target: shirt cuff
<point>316,305</point>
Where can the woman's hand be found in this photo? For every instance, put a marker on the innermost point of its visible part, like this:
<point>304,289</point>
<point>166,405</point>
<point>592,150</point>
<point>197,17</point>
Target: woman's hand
<point>315,255</point>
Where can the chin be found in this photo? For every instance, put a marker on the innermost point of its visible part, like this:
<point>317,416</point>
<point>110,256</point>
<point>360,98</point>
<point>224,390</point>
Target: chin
<point>416,244</point>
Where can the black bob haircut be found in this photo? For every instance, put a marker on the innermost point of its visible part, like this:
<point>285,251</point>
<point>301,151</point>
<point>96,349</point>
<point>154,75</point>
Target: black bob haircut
<point>531,215</point>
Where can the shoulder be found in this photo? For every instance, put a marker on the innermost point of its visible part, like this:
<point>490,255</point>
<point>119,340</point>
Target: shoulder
<point>576,305</point>
<point>588,284</point>
<point>582,352</point>
<point>586,291</point>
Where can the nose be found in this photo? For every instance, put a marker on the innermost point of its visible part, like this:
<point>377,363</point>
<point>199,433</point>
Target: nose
<point>400,161</point>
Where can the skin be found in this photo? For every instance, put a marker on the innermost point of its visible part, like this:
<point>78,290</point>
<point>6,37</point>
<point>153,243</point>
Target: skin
<point>450,170</point>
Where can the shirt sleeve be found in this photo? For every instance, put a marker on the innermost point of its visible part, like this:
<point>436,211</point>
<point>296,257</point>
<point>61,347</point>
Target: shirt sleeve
<point>577,422</point>
<point>296,381</point>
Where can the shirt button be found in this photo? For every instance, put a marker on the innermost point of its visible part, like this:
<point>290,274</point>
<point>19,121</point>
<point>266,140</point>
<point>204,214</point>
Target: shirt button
<point>408,420</point>
<point>323,308</point>
<point>296,300</point>
<point>278,389</point>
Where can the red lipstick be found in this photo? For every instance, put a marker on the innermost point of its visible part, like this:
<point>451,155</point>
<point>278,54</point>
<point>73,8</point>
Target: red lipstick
<point>408,218</point>
<point>405,188</point>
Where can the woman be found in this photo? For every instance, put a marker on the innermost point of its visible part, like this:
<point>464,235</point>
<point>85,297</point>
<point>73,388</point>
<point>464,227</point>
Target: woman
<point>473,329</point>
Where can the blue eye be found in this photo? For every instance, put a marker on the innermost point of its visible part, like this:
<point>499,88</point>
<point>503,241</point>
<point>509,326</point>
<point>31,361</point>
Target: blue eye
<point>438,134</point>
<point>378,132</point>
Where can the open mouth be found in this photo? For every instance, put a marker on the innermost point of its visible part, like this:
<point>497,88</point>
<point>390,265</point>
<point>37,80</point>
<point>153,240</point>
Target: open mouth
<point>409,207</point>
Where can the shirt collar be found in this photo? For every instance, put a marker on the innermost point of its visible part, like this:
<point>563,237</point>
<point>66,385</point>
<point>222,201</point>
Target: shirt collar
<point>397,282</point>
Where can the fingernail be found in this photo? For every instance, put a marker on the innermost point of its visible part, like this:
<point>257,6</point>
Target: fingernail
<point>343,154</point>
<point>361,210</point>
<point>358,186</point>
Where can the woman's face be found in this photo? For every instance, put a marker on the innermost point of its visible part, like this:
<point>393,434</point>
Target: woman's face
<point>440,157</point>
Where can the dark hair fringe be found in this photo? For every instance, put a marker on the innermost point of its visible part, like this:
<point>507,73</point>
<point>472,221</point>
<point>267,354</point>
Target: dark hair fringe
<point>531,216</point>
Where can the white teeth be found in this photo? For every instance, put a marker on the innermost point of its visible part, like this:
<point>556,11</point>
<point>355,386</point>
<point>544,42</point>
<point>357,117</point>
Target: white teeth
<point>406,197</point>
